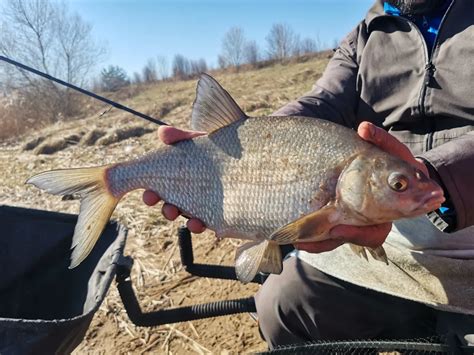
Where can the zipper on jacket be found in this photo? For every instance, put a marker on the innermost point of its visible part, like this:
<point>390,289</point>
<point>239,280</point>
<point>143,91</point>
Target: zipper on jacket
<point>429,73</point>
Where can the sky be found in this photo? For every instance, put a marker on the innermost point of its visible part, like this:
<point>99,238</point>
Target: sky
<point>135,30</point>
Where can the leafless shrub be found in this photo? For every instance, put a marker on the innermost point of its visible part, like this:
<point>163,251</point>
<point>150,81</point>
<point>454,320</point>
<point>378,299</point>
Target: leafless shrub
<point>10,124</point>
<point>251,53</point>
<point>136,79</point>
<point>281,42</point>
<point>310,45</point>
<point>162,68</point>
<point>197,66</point>
<point>233,47</point>
<point>47,36</point>
<point>221,62</point>
<point>181,67</point>
<point>149,72</point>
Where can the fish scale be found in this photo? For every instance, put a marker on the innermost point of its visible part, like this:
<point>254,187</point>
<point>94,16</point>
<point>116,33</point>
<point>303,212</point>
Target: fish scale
<point>258,190</point>
<point>273,180</point>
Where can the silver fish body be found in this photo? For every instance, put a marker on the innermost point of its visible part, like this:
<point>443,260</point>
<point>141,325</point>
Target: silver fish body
<point>247,179</point>
<point>272,180</point>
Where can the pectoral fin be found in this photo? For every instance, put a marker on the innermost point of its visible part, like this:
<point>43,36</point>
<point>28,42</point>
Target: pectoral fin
<point>307,227</point>
<point>377,253</point>
<point>254,257</point>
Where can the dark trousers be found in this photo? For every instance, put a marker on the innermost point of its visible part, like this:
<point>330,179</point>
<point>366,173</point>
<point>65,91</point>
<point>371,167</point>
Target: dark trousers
<point>303,304</point>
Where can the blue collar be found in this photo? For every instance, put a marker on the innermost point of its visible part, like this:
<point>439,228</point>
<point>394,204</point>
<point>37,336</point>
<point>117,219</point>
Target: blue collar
<point>391,10</point>
<point>427,24</point>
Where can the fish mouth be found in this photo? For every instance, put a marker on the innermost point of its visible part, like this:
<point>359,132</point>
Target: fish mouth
<point>431,202</point>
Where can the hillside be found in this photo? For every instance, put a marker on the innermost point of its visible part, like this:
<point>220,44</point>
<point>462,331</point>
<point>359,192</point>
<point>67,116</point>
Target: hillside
<point>159,279</point>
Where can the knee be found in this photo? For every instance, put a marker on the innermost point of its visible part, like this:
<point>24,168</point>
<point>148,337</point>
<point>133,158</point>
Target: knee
<point>278,307</point>
<point>270,301</point>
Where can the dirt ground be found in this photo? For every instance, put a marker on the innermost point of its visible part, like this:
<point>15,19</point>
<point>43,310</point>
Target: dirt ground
<point>157,275</point>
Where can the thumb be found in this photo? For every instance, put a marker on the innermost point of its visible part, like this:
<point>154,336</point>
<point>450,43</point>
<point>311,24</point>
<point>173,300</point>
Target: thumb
<point>170,135</point>
<point>388,143</point>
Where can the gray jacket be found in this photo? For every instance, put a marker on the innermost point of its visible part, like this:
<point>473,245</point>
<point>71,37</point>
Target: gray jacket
<point>382,73</point>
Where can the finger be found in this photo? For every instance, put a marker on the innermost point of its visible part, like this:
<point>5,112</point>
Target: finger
<point>169,211</point>
<point>367,236</point>
<point>195,225</point>
<point>150,198</point>
<point>170,135</point>
<point>319,247</point>
<point>385,141</point>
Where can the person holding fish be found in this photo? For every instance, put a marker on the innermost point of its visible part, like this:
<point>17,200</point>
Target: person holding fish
<point>403,77</point>
<point>403,80</point>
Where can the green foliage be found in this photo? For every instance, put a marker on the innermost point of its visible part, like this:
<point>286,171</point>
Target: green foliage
<point>113,78</point>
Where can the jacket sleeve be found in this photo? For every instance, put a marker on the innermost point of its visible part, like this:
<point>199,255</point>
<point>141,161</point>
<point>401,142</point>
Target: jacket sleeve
<point>334,96</point>
<point>454,165</point>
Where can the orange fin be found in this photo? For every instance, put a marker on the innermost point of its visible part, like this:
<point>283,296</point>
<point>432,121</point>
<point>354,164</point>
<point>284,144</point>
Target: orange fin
<point>308,227</point>
<point>257,256</point>
<point>97,203</point>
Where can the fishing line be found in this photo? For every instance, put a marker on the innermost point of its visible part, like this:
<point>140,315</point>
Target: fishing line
<point>83,91</point>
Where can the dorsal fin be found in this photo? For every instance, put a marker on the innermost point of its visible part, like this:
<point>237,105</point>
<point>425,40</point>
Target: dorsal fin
<point>213,107</point>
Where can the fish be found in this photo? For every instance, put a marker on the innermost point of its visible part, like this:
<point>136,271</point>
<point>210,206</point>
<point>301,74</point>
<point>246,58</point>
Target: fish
<point>267,180</point>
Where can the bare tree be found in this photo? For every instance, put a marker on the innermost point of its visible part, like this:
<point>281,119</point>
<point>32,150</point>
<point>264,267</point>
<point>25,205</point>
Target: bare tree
<point>198,66</point>
<point>296,47</point>
<point>149,72</point>
<point>309,45</point>
<point>137,78</point>
<point>181,66</point>
<point>162,67</point>
<point>251,53</point>
<point>221,62</point>
<point>233,47</point>
<point>280,41</point>
<point>46,35</point>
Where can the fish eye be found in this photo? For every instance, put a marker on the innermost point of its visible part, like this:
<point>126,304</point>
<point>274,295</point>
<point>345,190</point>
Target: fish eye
<point>398,182</point>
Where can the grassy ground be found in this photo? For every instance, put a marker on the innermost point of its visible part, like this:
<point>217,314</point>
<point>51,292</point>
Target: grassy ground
<point>159,278</point>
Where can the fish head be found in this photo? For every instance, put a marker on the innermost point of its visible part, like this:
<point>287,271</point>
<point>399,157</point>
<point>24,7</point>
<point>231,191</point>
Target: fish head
<point>380,188</point>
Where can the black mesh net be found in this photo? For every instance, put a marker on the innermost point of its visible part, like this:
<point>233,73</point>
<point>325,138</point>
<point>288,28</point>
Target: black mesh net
<point>429,345</point>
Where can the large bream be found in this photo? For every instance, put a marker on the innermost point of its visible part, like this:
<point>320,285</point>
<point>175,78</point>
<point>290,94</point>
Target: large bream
<point>271,180</point>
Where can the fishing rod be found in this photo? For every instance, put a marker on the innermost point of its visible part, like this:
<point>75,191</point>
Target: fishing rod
<point>83,91</point>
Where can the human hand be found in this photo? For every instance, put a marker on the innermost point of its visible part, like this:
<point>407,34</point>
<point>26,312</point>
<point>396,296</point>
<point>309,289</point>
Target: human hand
<point>385,141</point>
<point>367,236</point>
<point>170,135</point>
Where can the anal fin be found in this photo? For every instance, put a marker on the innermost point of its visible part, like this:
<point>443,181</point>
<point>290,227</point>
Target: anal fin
<point>257,256</point>
<point>377,253</point>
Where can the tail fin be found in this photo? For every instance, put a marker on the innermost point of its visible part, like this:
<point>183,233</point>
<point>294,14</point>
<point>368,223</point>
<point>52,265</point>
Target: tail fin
<point>254,257</point>
<point>97,203</point>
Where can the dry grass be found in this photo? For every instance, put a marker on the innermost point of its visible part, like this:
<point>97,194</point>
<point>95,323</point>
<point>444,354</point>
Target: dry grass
<point>157,274</point>
<point>11,124</point>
